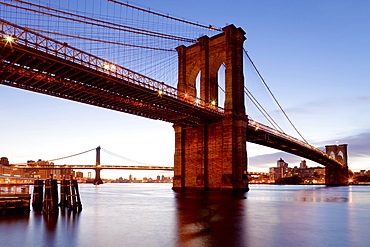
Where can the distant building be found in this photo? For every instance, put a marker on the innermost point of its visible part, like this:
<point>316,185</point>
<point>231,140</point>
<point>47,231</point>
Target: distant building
<point>34,169</point>
<point>309,175</point>
<point>259,178</point>
<point>362,173</point>
<point>303,164</point>
<point>280,171</point>
<point>361,177</point>
<point>79,174</point>
<point>4,161</point>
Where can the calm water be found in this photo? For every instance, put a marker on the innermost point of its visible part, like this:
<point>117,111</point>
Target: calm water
<point>154,215</point>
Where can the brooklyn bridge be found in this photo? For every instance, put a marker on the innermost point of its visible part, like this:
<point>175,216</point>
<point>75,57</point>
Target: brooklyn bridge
<point>211,126</point>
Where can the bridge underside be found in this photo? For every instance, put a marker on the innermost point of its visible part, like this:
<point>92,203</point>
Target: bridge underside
<point>26,68</point>
<point>336,174</point>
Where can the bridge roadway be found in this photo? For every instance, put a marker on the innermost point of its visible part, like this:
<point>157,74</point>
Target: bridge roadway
<point>33,62</point>
<point>36,63</point>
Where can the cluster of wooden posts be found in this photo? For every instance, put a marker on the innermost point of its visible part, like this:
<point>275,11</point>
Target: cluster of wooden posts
<point>47,200</point>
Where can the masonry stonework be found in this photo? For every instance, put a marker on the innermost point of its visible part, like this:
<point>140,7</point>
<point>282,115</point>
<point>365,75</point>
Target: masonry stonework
<point>337,175</point>
<point>213,156</point>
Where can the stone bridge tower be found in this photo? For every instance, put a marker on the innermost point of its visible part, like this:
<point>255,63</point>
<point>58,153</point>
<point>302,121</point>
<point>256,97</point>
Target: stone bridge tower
<point>337,175</point>
<point>213,156</point>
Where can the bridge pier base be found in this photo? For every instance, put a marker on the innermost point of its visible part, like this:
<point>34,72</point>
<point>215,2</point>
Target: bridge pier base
<point>336,176</point>
<point>211,156</point>
<point>97,179</point>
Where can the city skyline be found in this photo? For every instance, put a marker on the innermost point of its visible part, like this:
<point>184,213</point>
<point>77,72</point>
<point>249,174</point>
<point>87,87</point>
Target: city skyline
<point>314,57</point>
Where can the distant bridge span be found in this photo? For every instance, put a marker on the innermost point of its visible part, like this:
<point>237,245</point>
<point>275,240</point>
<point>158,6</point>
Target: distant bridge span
<point>93,167</point>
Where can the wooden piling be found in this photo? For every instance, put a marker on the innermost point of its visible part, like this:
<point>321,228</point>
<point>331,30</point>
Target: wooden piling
<point>63,193</point>
<point>47,200</point>
<point>47,197</point>
<point>50,204</point>
<point>77,193</point>
<point>54,189</point>
<point>37,196</point>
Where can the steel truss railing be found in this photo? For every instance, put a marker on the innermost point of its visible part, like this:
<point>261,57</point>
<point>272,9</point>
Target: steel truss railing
<point>23,36</point>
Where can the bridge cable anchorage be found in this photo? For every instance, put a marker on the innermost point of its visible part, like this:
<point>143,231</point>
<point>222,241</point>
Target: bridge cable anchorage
<point>267,87</point>
<point>121,157</point>
<point>167,16</point>
<point>262,110</point>
<point>105,23</point>
<point>69,156</point>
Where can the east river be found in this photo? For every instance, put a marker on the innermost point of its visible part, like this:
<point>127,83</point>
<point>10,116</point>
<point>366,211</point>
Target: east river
<point>154,215</point>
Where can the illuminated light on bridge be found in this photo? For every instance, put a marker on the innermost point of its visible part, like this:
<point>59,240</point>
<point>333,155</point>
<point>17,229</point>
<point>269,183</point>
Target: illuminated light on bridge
<point>9,38</point>
<point>110,67</point>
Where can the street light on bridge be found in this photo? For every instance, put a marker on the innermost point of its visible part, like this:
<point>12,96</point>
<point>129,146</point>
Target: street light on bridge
<point>9,38</point>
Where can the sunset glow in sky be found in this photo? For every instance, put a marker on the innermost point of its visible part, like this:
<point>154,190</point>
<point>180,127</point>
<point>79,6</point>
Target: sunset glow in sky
<point>314,55</point>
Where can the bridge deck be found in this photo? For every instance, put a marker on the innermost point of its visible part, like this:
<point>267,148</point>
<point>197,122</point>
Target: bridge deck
<point>37,63</point>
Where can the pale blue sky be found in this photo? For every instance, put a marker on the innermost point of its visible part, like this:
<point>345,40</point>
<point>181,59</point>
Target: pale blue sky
<point>314,55</point>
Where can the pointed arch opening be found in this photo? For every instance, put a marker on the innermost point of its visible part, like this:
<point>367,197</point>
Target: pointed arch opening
<point>197,84</point>
<point>332,154</point>
<point>221,85</point>
<point>340,156</point>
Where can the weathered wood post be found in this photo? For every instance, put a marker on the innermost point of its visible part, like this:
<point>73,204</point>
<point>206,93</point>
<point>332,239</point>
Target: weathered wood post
<point>37,196</point>
<point>78,204</point>
<point>54,189</point>
<point>51,196</point>
<point>73,196</point>
<point>68,194</point>
<point>47,197</point>
<point>63,193</point>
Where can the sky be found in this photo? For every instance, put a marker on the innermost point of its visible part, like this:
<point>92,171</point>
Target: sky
<point>314,55</point>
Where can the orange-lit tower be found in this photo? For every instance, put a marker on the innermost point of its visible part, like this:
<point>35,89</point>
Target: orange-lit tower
<point>213,155</point>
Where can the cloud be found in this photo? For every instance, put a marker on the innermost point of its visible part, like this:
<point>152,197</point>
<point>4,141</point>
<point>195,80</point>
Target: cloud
<point>358,145</point>
<point>269,160</point>
<point>364,99</point>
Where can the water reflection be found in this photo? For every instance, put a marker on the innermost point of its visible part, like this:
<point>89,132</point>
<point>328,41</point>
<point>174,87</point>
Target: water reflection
<point>154,215</point>
<point>321,195</point>
<point>210,218</point>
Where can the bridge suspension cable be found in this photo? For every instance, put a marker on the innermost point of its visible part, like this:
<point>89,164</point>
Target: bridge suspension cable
<point>262,110</point>
<point>69,156</point>
<point>166,16</point>
<point>268,89</point>
<point>121,157</point>
<point>96,22</point>
<point>99,40</point>
<point>257,105</point>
